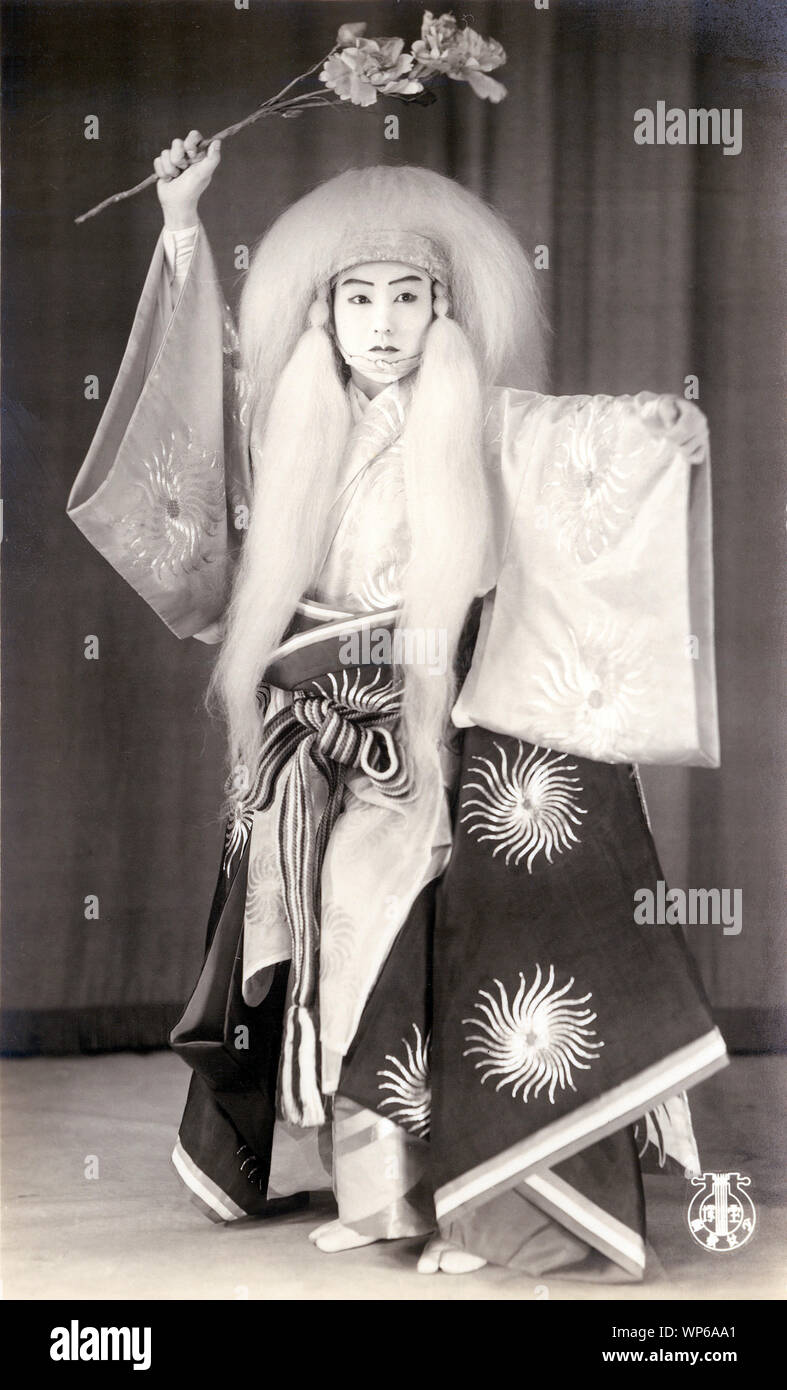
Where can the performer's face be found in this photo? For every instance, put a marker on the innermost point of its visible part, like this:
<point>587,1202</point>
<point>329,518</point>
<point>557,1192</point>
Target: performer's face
<point>381,311</point>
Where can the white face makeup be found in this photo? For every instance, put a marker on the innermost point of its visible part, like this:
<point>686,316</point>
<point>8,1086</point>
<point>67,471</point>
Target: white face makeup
<point>381,312</point>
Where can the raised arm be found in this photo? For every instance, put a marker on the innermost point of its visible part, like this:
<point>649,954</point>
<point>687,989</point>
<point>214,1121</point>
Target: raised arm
<point>183,176</point>
<point>166,478</point>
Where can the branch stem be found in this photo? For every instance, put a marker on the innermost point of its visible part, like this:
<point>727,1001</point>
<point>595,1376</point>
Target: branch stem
<point>274,106</point>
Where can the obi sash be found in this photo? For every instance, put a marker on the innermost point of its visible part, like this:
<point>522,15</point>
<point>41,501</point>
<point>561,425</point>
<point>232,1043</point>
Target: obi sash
<point>342,716</point>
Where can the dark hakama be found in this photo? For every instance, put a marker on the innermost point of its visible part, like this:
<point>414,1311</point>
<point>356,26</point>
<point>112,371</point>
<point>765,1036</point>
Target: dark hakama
<point>521,1024</point>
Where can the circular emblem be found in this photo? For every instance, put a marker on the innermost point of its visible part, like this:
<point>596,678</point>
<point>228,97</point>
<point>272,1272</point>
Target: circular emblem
<point>721,1213</point>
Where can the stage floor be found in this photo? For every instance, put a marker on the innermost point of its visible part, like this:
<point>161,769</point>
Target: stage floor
<point>133,1233</point>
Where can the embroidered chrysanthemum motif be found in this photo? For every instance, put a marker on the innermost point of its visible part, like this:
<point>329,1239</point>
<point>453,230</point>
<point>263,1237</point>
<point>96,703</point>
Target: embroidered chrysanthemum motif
<point>594,692</point>
<point>380,590</point>
<point>241,397</point>
<point>535,1041</point>
<point>408,1080</point>
<point>528,810</point>
<point>237,834</point>
<point>238,382</point>
<point>264,910</point>
<point>585,488</point>
<point>338,940</point>
<point>367,828</point>
<point>381,423</point>
<point>230,334</point>
<point>182,504</point>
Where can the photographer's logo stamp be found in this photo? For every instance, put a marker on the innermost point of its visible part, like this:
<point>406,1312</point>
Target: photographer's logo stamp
<point>721,1213</point>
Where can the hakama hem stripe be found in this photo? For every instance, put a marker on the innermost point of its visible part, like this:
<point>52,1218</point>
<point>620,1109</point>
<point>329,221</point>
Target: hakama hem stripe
<point>584,1126</point>
<point>208,1195</point>
<point>626,1247</point>
<point>381,1175</point>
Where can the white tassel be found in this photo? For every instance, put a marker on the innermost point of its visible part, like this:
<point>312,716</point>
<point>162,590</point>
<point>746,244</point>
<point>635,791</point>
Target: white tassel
<point>301,1101</point>
<point>288,1107</point>
<point>312,1110</point>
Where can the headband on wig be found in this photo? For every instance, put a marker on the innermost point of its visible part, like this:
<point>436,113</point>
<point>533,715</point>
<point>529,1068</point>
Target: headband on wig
<point>408,248</point>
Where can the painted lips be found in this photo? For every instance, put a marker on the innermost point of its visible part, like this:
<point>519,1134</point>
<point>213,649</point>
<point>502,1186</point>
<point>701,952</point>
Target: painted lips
<point>382,364</point>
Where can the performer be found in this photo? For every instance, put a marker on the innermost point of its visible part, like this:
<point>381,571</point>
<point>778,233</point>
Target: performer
<point>453,617</point>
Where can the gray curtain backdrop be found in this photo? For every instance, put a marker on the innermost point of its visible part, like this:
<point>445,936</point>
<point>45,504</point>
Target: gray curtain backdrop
<point>662,262</point>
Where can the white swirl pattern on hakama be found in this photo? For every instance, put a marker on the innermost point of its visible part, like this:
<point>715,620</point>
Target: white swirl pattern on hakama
<point>353,693</point>
<point>238,832</point>
<point>534,1042</point>
<point>408,1080</point>
<point>529,810</point>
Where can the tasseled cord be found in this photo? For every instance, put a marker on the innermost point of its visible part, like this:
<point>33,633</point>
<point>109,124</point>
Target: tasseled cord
<point>300,1098</point>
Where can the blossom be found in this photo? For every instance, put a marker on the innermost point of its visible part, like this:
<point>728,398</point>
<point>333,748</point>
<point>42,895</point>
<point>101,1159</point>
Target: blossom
<point>461,54</point>
<point>437,35</point>
<point>348,33</point>
<point>368,68</point>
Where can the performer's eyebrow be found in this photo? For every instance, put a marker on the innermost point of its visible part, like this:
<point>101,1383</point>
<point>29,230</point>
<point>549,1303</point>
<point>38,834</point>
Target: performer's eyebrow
<point>403,279</point>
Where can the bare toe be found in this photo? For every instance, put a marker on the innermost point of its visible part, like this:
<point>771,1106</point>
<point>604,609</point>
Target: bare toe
<point>455,1261</point>
<point>335,1237</point>
<point>429,1262</point>
<point>320,1230</point>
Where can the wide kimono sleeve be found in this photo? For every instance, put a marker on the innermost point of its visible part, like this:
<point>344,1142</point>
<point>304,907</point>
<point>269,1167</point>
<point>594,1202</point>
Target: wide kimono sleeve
<point>164,491</point>
<point>598,638</point>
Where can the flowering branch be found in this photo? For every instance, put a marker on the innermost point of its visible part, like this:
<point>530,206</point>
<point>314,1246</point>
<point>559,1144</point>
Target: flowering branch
<point>360,70</point>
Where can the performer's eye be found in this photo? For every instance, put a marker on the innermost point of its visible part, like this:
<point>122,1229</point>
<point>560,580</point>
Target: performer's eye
<point>359,299</point>
<point>406,297</point>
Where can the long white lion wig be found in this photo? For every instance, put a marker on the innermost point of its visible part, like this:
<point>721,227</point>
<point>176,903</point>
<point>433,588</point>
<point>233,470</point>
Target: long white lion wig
<point>301,420</point>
